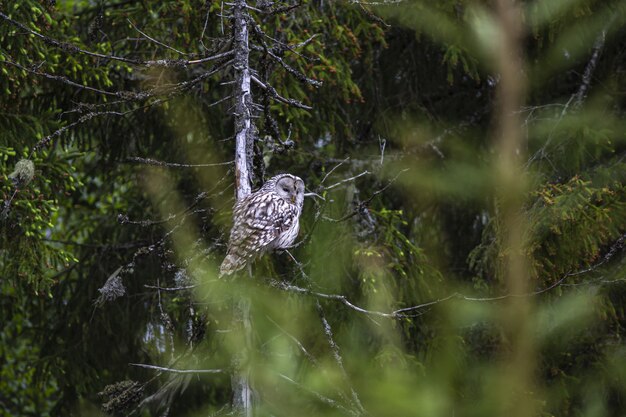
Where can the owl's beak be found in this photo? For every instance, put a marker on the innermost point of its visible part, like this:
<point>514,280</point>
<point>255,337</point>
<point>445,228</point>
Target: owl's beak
<point>293,199</point>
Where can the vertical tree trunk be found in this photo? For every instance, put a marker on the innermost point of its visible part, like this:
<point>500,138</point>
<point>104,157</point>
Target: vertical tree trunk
<point>244,127</point>
<point>244,137</point>
<point>242,389</point>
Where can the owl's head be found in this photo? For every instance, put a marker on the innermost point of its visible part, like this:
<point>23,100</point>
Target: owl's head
<point>290,188</point>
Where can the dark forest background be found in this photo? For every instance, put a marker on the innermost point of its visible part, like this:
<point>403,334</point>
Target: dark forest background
<point>461,248</point>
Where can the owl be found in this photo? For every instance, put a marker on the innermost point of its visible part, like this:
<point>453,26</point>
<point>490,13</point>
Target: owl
<point>264,220</point>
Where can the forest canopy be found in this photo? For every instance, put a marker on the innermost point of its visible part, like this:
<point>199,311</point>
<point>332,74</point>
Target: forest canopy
<point>461,243</point>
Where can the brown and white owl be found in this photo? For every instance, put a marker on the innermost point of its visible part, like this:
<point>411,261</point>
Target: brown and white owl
<point>264,220</point>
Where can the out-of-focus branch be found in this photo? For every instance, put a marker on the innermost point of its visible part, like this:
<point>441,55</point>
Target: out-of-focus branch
<point>178,371</point>
<point>598,45</point>
<point>306,353</point>
<point>328,332</point>
<point>519,363</point>
<point>322,398</point>
<point>404,312</point>
<point>577,99</point>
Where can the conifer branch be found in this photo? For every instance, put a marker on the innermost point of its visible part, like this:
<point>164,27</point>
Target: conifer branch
<point>71,49</point>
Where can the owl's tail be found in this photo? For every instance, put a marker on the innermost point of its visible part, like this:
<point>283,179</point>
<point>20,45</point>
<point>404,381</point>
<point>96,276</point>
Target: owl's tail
<point>232,263</point>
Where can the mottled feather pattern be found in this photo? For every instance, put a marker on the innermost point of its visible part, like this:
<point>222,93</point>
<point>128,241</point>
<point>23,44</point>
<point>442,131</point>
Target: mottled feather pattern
<point>264,220</point>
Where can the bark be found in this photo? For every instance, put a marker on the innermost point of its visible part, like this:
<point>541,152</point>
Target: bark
<point>244,126</point>
<point>244,140</point>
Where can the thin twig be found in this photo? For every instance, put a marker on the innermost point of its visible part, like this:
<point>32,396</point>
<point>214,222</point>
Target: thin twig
<point>328,332</point>
<point>333,169</point>
<point>319,396</point>
<point>296,341</point>
<point>330,187</point>
<point>156,41</point>
<point>178,371</point>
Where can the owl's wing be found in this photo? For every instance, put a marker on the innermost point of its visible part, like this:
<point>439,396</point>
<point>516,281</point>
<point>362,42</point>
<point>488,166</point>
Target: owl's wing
<point>263,221</point>
<point>258,220</point>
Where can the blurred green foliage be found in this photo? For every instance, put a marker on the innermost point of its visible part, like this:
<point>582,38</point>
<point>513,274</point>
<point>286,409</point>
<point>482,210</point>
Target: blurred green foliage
<point>408,95</point>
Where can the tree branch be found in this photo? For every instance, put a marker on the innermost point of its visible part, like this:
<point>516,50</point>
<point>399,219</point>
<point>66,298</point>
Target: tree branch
<point>71,48</point>
<point>322,398</point>
<point>148,161</point>
<point>328,332</point>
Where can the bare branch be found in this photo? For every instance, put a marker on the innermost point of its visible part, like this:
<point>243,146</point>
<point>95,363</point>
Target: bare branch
<point>401,313</point>
<point>319,396</point>
<point>123,219</point>
<point>598,45</point>
<point>294,72</point>
<point>285,9</point>
<point>371,15</point>
<point>178,371</point>
<point>306,353</point>
<point>377,3</point>
<point>154,40</point>
<point>274,94</point>
<point>171,289</point>
<point>148,161</point>
<point>333,169</point>
<point>303,43</point>
<point>328,331</point>
<point>46,140</point>
<point>330,187</point>
<point>576,99</point>
<point>341,298</point>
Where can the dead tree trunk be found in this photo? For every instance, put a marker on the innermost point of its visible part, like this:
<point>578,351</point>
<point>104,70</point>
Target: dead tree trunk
<point>244,126</point>
<point>244,139</point>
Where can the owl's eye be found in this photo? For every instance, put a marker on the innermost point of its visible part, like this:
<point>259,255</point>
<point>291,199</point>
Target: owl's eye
<point>285,189</point>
